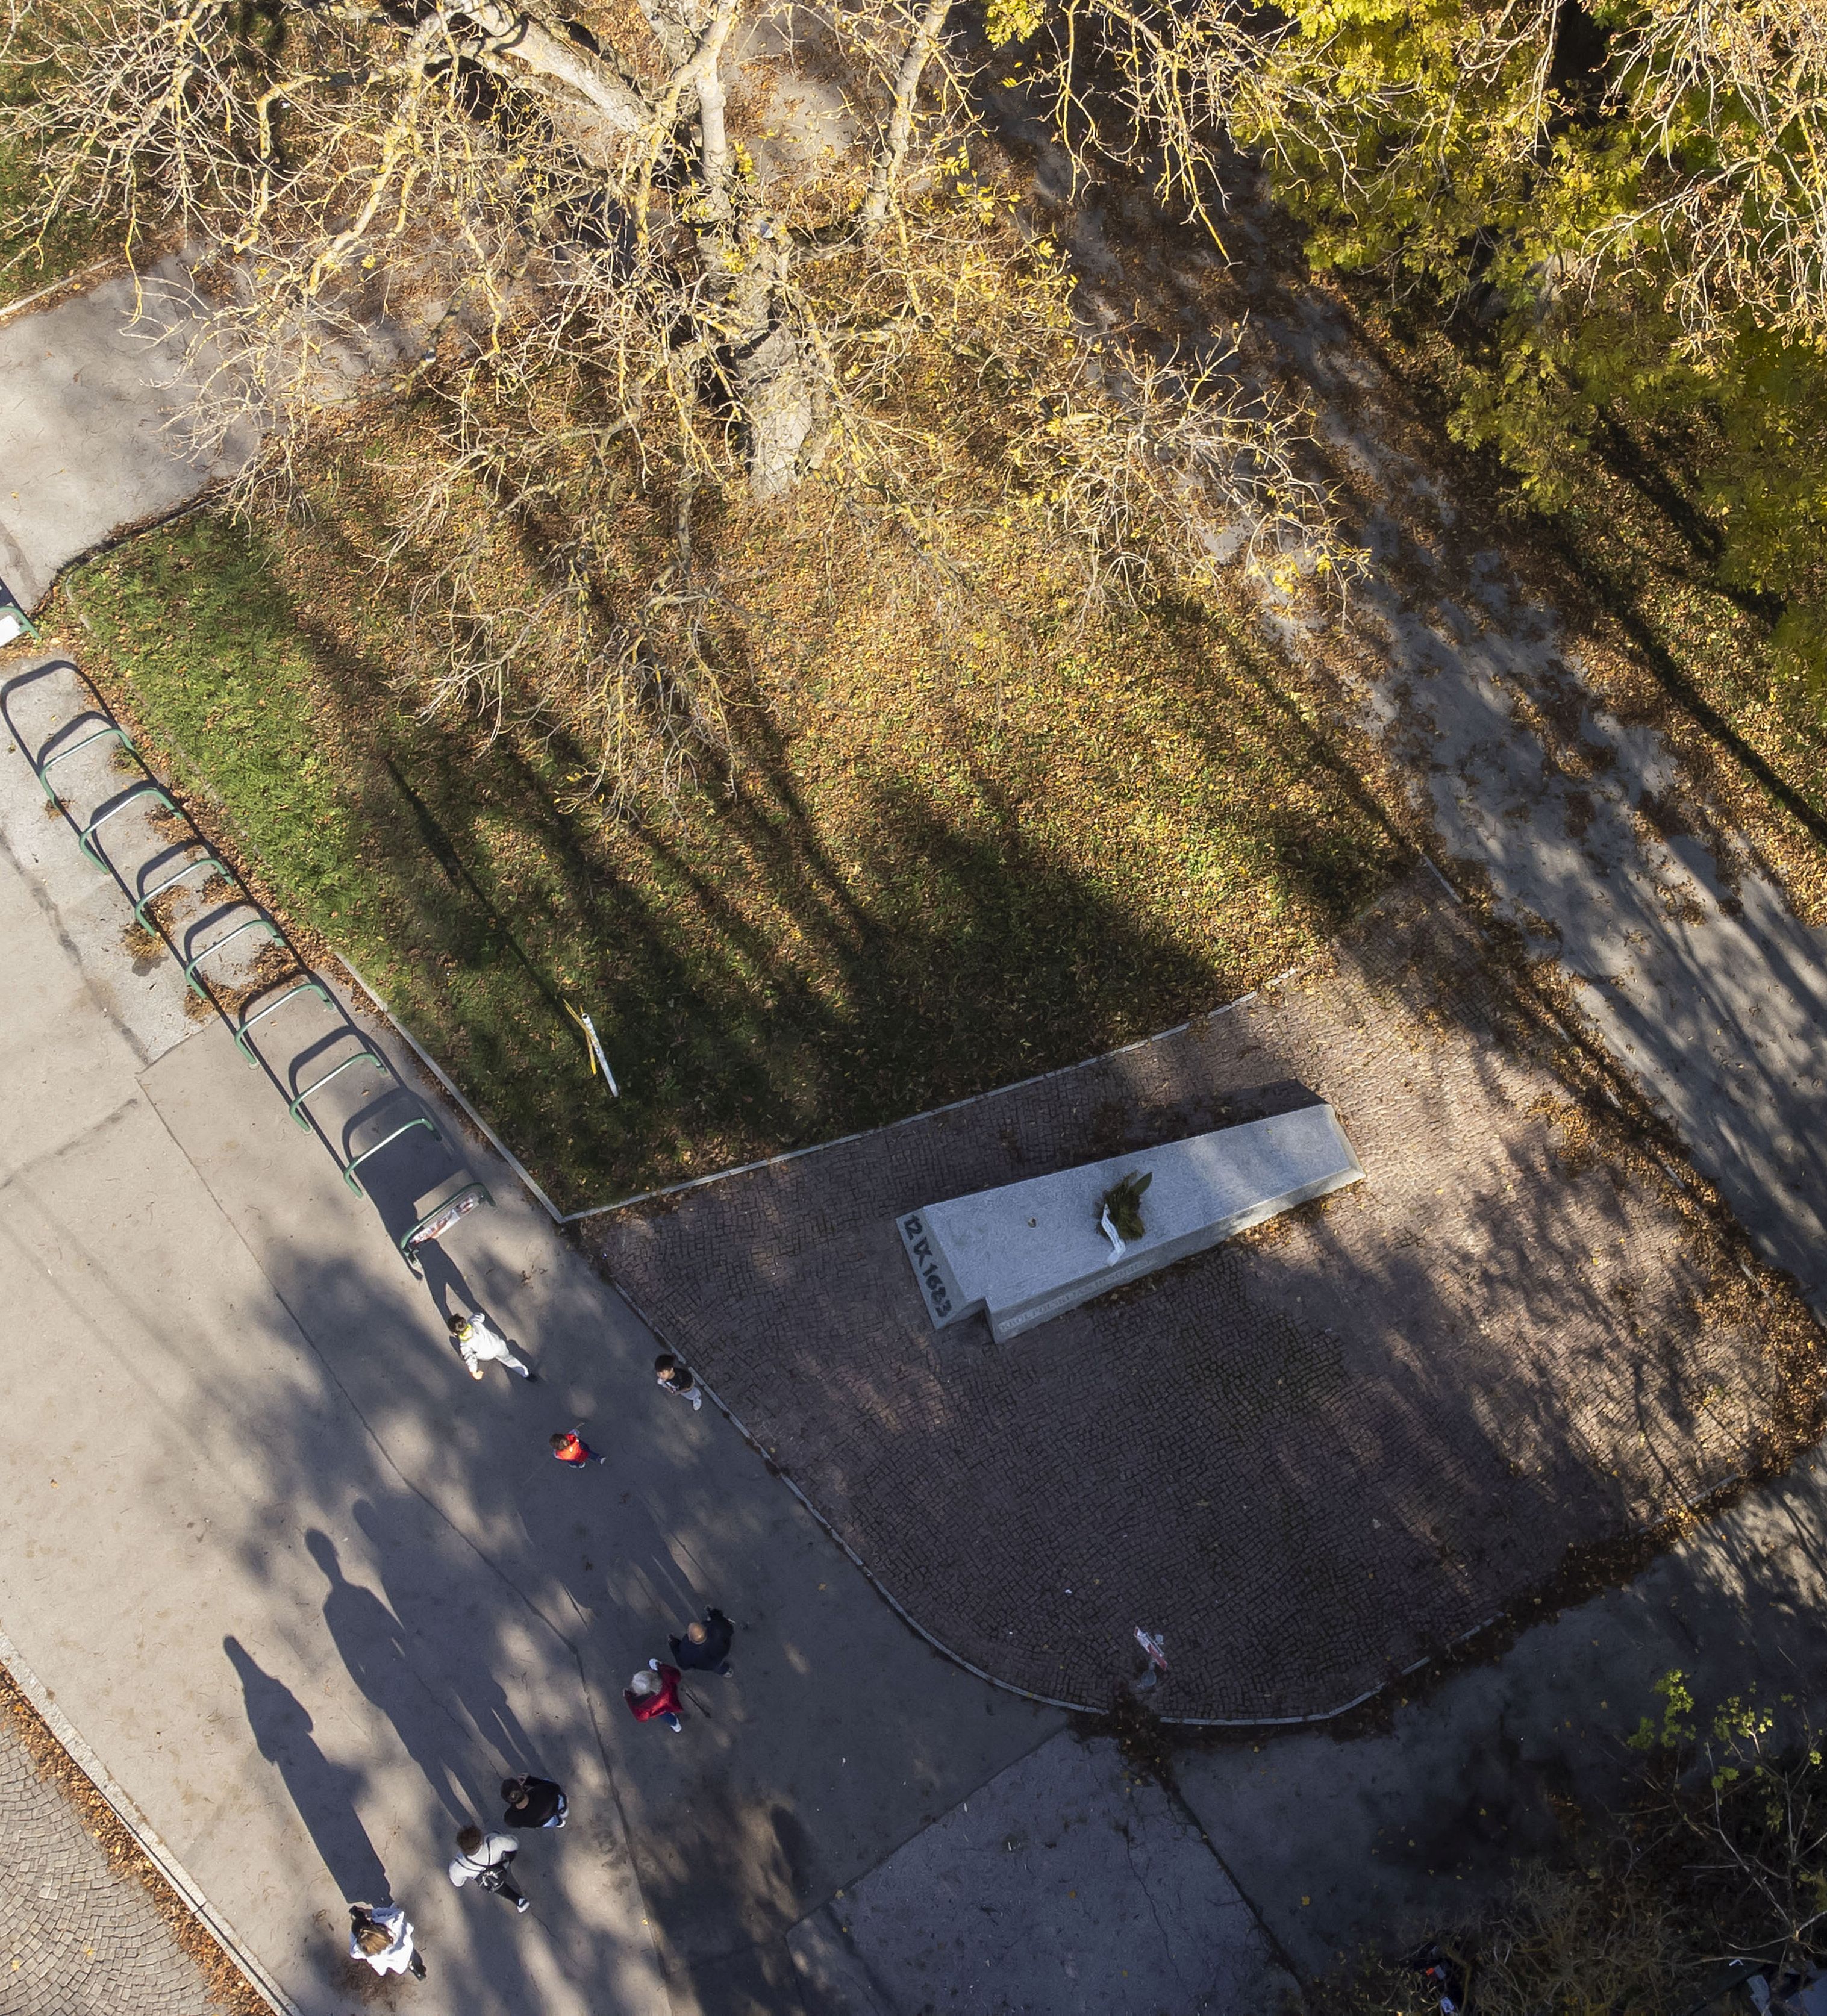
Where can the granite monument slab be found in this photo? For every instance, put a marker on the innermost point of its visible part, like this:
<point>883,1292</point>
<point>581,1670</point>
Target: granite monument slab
<point>1026,1251</point>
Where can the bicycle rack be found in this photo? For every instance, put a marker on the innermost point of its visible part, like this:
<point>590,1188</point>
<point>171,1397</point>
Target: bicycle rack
<point>15,623</point>
<point>418,1120</point>
<point>43,770</point>
<point>247,1021</point>
<point>139,791</point>
<point>170,881</point>
<point>364,1056</point>
<point>440,1218</point>
<point>228,937</point>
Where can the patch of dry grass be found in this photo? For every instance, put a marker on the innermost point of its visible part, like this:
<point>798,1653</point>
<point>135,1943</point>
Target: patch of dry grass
<point>959,836</point>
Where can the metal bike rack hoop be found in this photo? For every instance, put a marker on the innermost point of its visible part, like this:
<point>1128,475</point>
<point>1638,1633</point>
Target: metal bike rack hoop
<point>455,1205</point>
<point>134,794</point>
<point>349,1172</point>
<point>253,924</point>
<point>23,625</point>
<point>171,881</point>
<point>304,987</point>
<point>364,1056</point>
<point>43,770</point>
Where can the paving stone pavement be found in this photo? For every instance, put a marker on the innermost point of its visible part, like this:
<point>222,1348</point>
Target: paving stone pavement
<point>77,1937</point>
<point>1312,1456</point>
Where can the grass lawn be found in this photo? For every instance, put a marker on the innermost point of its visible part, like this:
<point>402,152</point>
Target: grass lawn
<point>937,869</point>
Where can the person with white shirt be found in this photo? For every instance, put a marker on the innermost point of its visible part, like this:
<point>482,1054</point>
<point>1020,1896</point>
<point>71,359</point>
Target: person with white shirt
<point>381,1935</point>
<point>479,1343</point>
<point>483,1858</point>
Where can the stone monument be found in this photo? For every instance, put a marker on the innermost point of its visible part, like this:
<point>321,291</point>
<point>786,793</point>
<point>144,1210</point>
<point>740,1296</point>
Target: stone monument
<point>1032,1250</point>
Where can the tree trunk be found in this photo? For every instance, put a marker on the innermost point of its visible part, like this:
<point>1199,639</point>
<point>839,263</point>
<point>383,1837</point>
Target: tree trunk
<point>770,386</point>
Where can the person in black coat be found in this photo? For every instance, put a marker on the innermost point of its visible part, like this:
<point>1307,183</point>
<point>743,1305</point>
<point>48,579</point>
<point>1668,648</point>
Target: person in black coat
<point>705,1646</point>
<point>532,1802</point>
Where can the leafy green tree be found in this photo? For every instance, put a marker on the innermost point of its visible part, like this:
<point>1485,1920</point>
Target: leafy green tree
<point>1624,208</point>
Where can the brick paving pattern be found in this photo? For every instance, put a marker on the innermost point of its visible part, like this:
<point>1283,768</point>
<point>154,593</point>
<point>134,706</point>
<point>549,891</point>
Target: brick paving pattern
<point>1311,1456</point>
<point>78,1938</point>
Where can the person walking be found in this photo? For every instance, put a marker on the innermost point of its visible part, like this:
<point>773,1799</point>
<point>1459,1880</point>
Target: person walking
<point>478,1343</point>
<point>677,1378</point>
<point>653,1695</point>
<point>705,1646</point>
<point>533,1802</point>
<point>381,1935</point>
<point>569,1446</point>
<point>483,1860</point>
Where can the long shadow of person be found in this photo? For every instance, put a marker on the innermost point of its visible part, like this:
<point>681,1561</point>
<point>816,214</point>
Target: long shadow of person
<point>425,1611</point>
<point>324,1793</point>
<point>444,1282</point>
<point>372,1643</point>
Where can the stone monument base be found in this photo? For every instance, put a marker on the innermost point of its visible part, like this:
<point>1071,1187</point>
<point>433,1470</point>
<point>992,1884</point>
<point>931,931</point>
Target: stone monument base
<point>1032,1250</point>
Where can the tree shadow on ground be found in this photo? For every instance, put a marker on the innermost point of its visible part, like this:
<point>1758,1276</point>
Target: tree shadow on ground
<point>1314,1456</point>
<point>490,1606</point>
<point>767,968</point>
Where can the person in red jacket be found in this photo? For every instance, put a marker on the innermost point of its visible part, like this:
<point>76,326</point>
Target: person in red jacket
<point>650,1698</point>
<point>569,1446</point>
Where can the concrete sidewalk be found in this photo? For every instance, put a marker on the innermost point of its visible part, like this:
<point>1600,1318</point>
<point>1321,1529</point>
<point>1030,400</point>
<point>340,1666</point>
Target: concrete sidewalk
<point>308,1591</point>
<point>1378,1837</point>
<point>97,409</point>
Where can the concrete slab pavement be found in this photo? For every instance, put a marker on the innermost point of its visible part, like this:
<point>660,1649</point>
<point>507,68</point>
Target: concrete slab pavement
<point>97,408</point>
<point>841,1735</point>
<point>159,1586</point>
<point>308,1591</point>
<point>1068,1885</point>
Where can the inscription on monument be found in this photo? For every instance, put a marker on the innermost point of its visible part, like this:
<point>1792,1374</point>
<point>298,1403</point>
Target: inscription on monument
<point>934,1277</point>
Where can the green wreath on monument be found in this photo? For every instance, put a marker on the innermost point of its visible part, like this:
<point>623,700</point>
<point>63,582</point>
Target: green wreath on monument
<point>1123,1203</point>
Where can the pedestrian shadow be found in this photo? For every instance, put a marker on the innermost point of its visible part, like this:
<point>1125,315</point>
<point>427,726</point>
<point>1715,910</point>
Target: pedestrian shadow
<point>371,1641</point>
<point>471,1686</point>
<point>444,1282</point>
<point>324,1793</point>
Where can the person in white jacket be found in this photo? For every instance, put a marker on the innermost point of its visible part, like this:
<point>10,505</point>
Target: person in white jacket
<point>479,1343</point>
<point>381,1935</point>
<point>483,1858</point>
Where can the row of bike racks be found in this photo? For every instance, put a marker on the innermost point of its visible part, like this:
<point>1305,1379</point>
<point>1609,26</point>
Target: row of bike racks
<point>93,726</point>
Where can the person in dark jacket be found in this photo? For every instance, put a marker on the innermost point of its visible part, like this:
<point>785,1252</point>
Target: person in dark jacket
<point>533,1802</point>
<point>705,1646</point>
<point>653,1695</point>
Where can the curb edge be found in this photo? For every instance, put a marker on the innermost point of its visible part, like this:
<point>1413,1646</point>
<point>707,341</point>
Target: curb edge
<point>44,1702</point>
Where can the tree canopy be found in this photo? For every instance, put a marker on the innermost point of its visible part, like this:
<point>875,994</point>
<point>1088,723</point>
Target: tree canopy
<point>705,252</point>
<point>714,251</point>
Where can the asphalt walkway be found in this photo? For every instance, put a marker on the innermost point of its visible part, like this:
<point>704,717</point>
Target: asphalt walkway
<point>1707,990</point>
